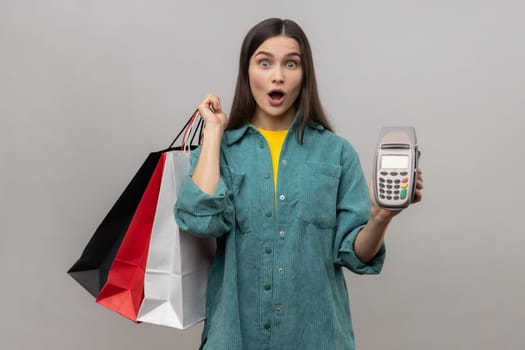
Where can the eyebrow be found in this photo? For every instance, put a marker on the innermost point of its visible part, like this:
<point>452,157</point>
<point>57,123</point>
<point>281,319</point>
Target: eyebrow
<point>271,55</point>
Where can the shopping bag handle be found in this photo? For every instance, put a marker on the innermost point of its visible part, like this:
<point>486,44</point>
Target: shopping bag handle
<point>187,129</point>
<point>198,130</point>
<point>186,142</point>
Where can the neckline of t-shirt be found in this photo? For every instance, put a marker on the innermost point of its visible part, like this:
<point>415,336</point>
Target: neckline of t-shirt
<point>273,131</point>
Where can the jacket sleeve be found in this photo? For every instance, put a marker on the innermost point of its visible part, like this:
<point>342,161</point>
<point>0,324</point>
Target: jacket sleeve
<point>203,214</point>
<point>353,211</point>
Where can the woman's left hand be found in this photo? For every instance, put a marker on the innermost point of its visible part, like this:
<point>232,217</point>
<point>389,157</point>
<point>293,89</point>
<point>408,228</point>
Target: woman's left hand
<point>381,214</point>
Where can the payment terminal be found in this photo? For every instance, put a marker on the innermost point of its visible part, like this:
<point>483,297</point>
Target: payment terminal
<point>396,164</point>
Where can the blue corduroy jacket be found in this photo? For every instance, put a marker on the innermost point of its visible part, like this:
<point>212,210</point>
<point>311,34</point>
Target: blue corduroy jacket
<point>277,280</point>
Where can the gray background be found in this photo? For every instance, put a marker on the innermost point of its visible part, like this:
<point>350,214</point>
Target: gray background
<point>88,88</point>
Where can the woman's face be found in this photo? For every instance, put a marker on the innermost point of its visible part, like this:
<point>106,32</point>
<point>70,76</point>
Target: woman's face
<point>275,73</point>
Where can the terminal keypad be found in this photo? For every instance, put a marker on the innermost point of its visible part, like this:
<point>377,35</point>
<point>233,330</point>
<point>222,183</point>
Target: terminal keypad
<point>393,185</point>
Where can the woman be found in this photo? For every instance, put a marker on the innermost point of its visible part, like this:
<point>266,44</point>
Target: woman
<point>286,199</point>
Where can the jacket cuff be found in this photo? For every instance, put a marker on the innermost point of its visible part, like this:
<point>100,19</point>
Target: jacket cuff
<point>192,199</point>
<point>349,257</point>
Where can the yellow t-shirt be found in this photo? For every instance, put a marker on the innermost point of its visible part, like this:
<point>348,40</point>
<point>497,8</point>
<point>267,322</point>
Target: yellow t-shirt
<point>275,141</point>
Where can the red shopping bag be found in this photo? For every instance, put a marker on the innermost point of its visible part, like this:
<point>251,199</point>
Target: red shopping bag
<point>124,289</point>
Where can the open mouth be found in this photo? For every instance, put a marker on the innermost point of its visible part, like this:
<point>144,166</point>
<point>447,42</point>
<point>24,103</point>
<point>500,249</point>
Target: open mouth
<point>276,97</point>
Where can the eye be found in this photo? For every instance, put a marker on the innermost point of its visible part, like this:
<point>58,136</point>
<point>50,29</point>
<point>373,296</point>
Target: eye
<point>291,64</point>
<point>264,63</point>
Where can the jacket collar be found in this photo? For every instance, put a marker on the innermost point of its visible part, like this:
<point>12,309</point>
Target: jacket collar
<point>235,135</point>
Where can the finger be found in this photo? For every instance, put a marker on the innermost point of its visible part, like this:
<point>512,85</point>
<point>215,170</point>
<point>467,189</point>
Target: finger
<point>418,196</point>
<point>213,103</point>
<point>419,185</point>
<point>208,101</point>
<point>371,193</point>
<point>209,104</point>
<point>216,105</point>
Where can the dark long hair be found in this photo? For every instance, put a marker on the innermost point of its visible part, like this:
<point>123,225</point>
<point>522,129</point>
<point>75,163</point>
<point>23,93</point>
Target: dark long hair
<point>308,105</point>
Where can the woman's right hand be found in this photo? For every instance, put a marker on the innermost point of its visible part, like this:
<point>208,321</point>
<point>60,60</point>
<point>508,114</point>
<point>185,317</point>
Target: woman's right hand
<point>210,110</point>
<point>207,171</point>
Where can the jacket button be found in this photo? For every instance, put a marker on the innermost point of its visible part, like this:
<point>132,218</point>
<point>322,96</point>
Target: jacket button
<point>267,287</point>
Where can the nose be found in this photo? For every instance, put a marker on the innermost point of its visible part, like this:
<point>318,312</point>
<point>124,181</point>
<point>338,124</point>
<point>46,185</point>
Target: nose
<point>278,77</point>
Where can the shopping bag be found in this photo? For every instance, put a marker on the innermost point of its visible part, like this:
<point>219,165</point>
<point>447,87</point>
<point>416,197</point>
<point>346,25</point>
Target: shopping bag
<point>124,288</point>
<point>92,268</point>
<point>178,262</point>
<point>114,263</point>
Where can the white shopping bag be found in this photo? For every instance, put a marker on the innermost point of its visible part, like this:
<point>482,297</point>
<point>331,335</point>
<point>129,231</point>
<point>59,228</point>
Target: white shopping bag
<point>178,262</point>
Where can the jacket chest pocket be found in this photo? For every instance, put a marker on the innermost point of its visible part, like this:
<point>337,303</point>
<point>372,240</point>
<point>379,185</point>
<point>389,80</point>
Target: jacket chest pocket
<point>319,184</point>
